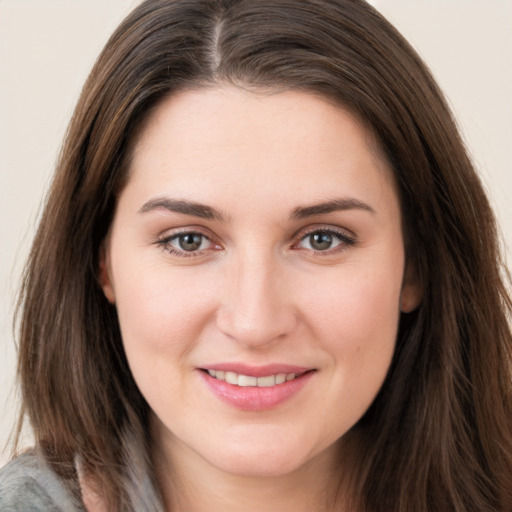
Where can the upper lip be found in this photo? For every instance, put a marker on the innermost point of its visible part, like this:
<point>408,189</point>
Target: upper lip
<point>257,371</point>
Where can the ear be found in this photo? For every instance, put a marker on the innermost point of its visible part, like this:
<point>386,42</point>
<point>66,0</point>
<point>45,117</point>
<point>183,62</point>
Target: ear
<point>412,290</point>
<point>104,274</point>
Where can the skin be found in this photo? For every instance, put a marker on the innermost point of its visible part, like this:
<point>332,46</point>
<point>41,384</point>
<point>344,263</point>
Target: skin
<point>257,291</point>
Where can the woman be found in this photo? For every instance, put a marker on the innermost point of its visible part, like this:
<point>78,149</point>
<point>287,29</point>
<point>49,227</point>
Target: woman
<point>267,277</point>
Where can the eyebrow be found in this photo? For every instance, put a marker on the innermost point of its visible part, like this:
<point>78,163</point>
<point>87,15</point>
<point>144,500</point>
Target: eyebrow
<point>334,205</point>
<point>207,212</point>
<point>179,206</point>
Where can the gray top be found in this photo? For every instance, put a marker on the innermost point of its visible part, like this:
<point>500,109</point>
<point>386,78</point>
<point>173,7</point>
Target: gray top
<point>27,484</point>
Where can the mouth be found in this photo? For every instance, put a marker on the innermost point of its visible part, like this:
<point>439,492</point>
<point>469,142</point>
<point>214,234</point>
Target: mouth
<point>256,389</point>
<point>239,379</point>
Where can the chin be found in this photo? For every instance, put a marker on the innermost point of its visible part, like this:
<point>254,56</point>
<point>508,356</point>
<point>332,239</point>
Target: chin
<point>264,459</point>
<point>259,467</point>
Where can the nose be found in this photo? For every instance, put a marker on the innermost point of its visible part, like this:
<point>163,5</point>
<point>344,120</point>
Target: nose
<point>257,306</point>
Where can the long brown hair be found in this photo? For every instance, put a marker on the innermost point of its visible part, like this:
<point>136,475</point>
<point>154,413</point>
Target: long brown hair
<point>439,435</point>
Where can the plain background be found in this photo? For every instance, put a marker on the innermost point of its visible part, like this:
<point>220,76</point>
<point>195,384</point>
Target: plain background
<point>47,47</point>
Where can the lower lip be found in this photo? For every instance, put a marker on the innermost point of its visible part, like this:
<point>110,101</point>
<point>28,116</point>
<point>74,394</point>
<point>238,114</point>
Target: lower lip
<point>252,398</point>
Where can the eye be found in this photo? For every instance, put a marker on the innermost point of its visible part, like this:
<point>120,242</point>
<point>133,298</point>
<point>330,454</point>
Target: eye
<point>189,241</point>
<point>186,244</point>
<point>325,240</point>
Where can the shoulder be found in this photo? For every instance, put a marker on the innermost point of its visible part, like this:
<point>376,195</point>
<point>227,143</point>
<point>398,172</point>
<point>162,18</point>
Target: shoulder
<point>27,483</point>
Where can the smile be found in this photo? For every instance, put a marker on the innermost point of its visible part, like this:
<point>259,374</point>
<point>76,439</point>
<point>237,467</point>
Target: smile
<point>241,380</point>
<point>256,388</point>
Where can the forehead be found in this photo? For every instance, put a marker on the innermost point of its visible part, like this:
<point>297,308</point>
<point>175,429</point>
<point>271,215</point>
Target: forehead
<point>240,142</point>
<point>224,110</point>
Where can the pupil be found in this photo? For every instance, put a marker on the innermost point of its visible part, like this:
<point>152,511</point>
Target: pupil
<point>321,241</point>
<point>190,242</point>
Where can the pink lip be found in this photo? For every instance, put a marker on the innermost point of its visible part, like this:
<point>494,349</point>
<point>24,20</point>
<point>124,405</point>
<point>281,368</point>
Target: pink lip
<point>255,398</point>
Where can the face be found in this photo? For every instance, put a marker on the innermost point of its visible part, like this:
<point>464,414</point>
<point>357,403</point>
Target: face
<point>256,261</point>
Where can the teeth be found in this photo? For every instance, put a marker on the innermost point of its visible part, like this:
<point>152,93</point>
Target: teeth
<point>247,380</point>
<point>281,377</point>
<point>244,380</point>
<point>266,382</point>
<point>230,377</point>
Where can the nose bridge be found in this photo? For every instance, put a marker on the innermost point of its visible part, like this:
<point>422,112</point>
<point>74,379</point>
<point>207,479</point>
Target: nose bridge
<point>256,309</point>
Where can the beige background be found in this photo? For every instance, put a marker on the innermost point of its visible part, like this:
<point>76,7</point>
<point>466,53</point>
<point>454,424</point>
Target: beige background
<point>48,46</point>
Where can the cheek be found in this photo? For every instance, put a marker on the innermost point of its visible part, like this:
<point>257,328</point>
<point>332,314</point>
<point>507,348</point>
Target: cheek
<point>355,318</point>
<point>161,314</point>
<point>356,325</point>
<point>161,310</point>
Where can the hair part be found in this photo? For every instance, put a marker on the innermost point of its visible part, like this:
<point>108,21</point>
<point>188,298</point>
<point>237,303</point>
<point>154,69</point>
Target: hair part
<point>438,436</point>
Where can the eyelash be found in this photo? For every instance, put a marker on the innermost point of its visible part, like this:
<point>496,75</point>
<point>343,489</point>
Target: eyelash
<point>345,241</point>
